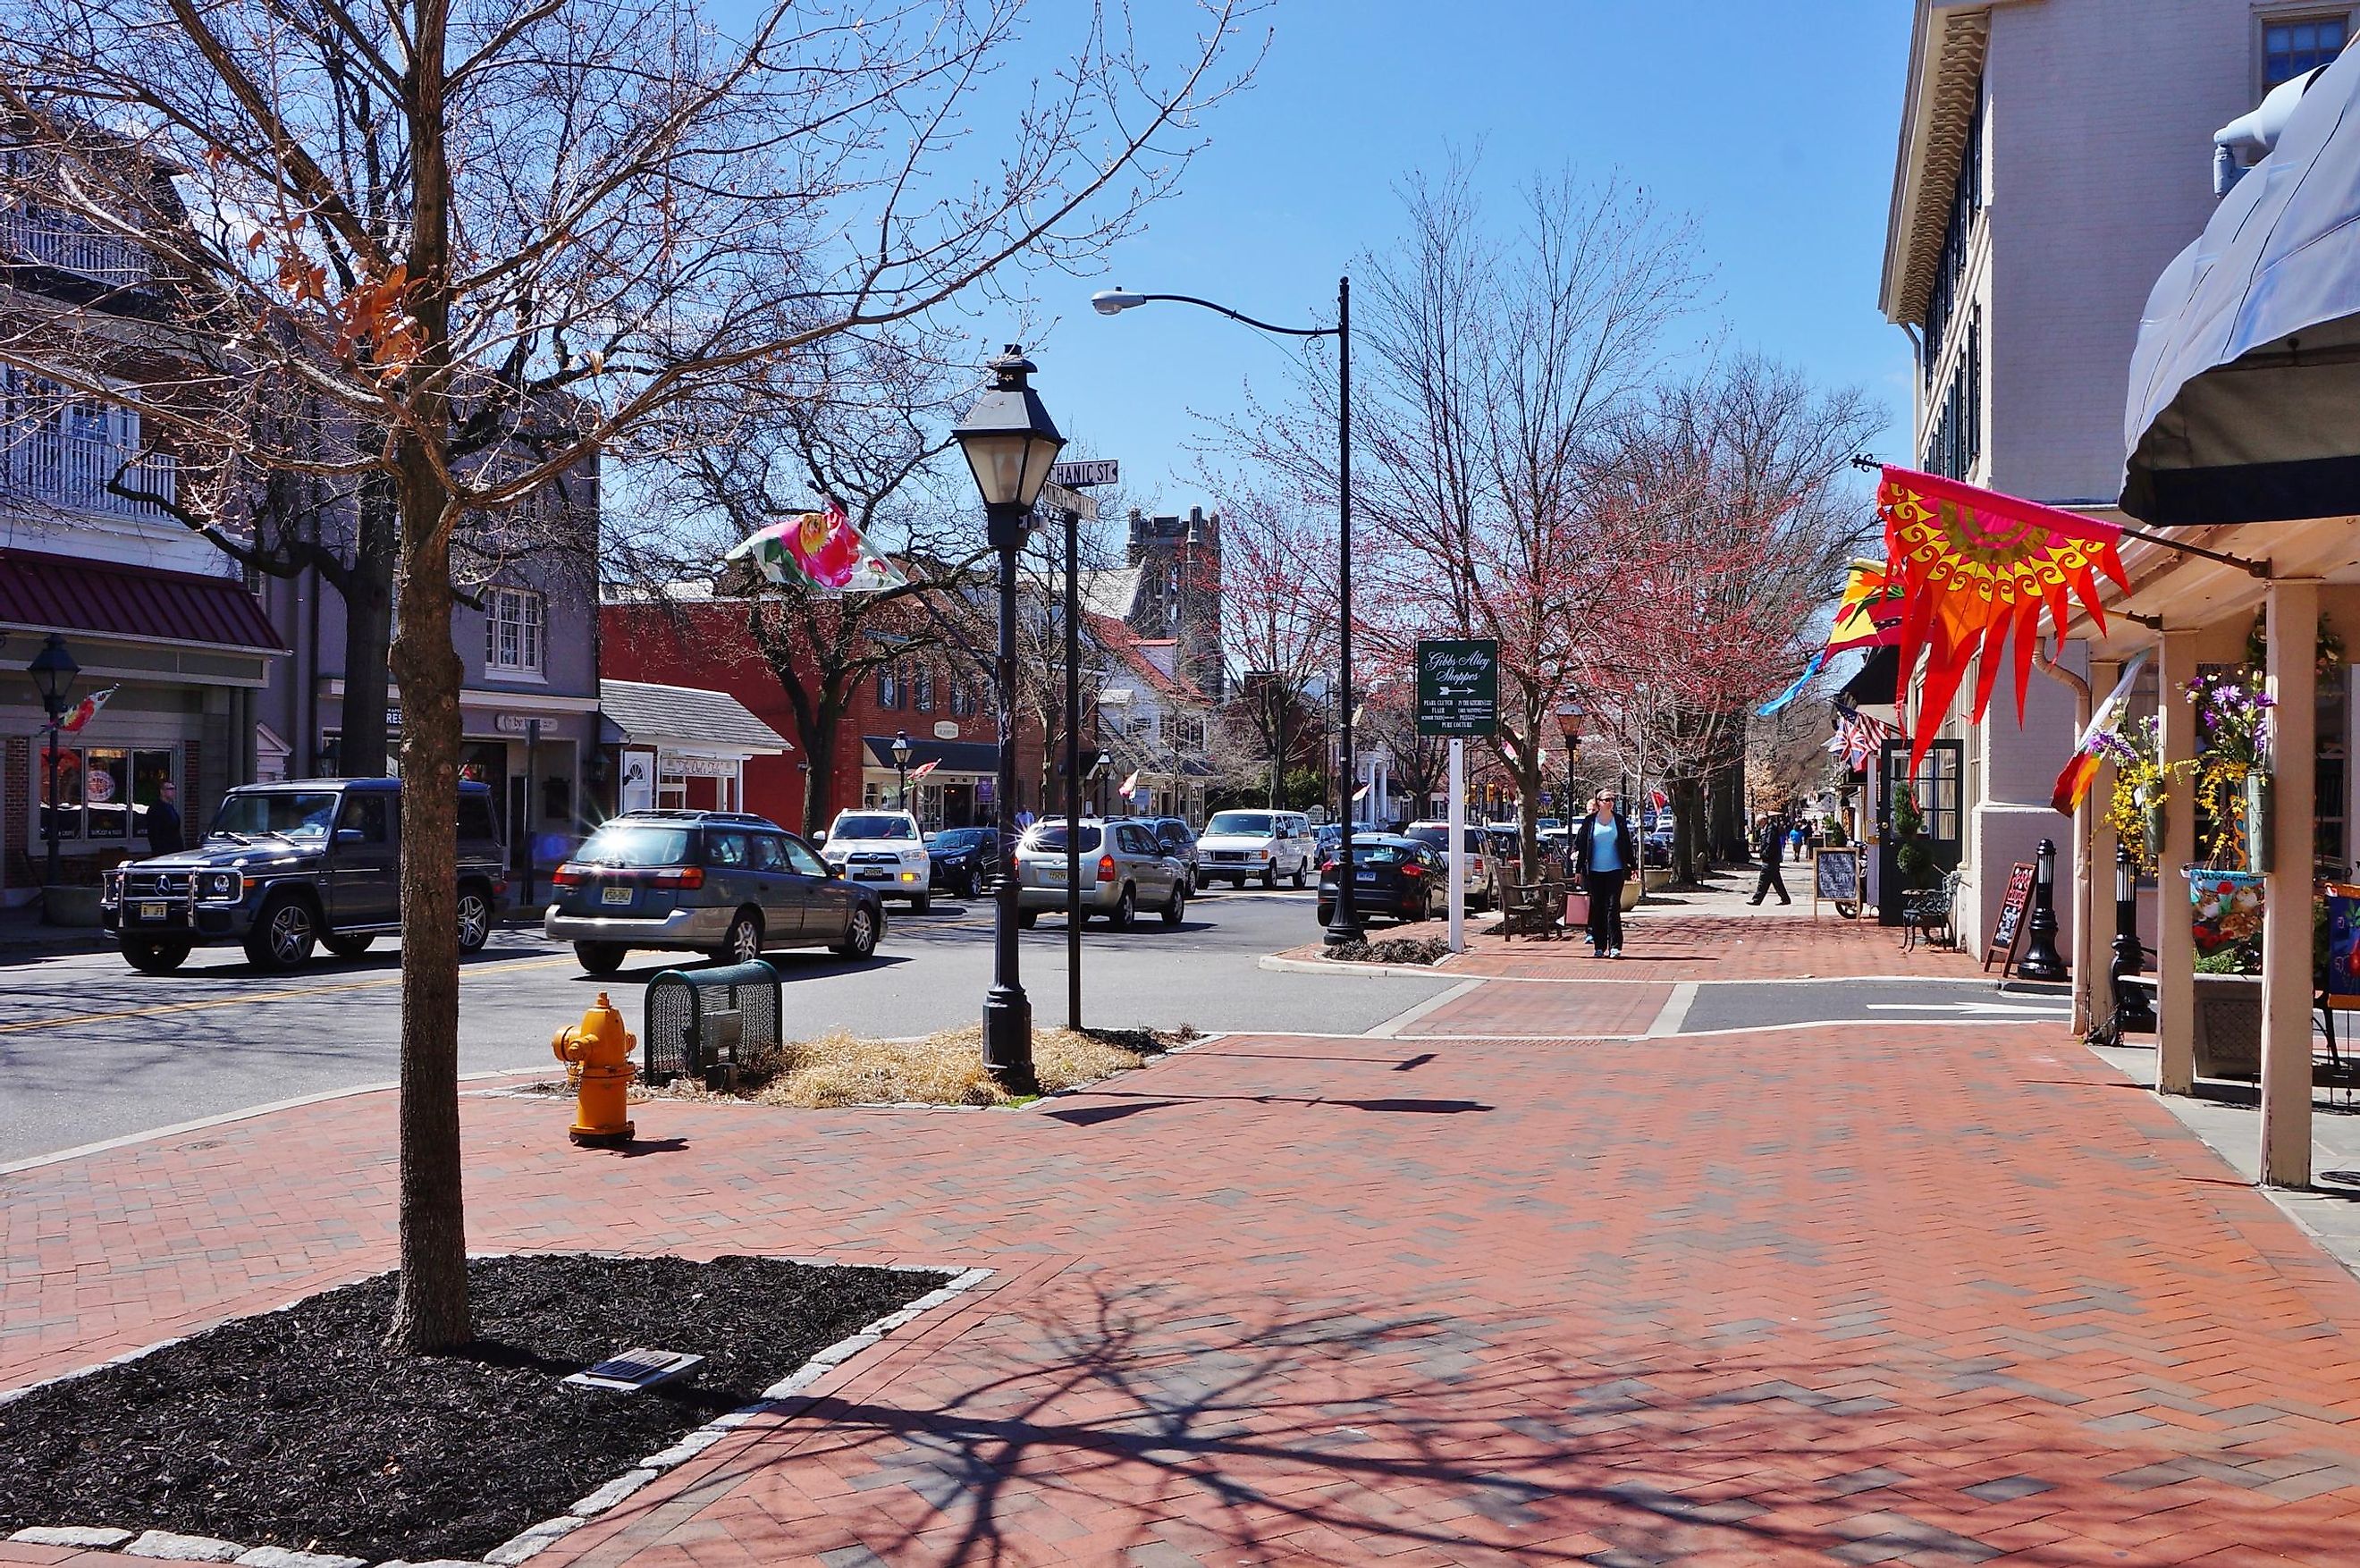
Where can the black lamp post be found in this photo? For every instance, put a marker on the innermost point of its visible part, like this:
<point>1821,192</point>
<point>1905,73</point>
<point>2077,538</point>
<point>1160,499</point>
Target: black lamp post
<point>1345,925</point>
<point>2134,1002</point>
<point>901,765</point>
<point>53,671</point>
<point>1009,442</point>
<point>2040,961</point>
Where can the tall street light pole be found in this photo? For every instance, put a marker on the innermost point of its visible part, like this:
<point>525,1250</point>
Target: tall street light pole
<point>53,671</point>
<point>1344,926</point>
<point>902,766</point>
<point>1009,441</point>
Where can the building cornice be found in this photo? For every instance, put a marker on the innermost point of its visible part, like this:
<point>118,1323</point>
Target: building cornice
<point>1947,43</point>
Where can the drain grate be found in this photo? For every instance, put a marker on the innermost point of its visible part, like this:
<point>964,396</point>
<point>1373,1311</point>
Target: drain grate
<point>635,1369</point>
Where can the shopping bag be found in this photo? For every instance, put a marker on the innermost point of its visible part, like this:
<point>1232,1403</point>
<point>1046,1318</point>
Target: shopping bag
<point>1577,908</point>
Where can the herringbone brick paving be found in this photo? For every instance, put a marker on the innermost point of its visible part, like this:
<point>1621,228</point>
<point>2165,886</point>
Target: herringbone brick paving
<point>1936,1296</point>
<point>1669,945</point>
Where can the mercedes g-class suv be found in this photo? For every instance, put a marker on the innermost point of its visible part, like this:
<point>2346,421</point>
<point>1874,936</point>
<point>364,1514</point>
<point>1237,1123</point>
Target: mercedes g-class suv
<point>287,865</point>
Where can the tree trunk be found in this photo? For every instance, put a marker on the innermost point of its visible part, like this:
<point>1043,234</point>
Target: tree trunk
<point>431,1312</point>
<point>363,746</point>
<point>1726,826</point>
<point>819,750</point>
<point>1688,828</point>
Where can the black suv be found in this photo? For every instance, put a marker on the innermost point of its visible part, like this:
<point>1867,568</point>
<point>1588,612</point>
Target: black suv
<point>286,866</point>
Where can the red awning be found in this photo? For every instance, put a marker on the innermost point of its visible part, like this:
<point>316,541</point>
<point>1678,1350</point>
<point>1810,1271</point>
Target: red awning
<point>51,593</point>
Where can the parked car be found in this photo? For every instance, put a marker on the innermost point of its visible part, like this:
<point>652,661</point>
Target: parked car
<point>1436,835</point>
<point>286,866</point>
<point>1392,875</point>
<point>1123,871</point>
<point>1178,840</point>
<point>1265,844</point>
<point>724,883</point>
<point>962,859</point>
<point>883,850</point>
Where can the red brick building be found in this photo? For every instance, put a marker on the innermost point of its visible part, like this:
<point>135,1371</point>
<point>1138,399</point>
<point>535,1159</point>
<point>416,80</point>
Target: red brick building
<point>941,702</point>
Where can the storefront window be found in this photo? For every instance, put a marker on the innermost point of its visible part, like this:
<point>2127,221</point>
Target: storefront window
<point>103,791</point>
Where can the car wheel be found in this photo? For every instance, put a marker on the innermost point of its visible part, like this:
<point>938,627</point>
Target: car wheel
<point>354,945</point>
<point>599,958</point>
<point>283,933</point>
<point>1269,874</point>
<point>1301,866</point>
<point>155,958</point>
<point>474,920</point>
<point>743,945</point>
<point>1179,905</point>
<point>920,904</point>
<point>1027,919</point>
<point>860,934</point>
<point>1126,909</point>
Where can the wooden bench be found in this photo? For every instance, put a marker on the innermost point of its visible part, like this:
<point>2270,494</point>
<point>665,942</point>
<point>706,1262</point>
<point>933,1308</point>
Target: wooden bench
<point>1532,909</point>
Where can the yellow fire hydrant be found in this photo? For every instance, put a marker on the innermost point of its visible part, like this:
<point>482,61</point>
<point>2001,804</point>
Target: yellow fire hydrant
<point>603,1046</point>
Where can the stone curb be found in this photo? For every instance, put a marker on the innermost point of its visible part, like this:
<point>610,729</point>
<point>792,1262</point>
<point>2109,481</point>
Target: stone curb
<point>535,1538</point>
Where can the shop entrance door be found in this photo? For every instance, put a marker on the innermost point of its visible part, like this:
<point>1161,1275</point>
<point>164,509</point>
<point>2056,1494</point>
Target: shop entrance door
<point>1940,825</point>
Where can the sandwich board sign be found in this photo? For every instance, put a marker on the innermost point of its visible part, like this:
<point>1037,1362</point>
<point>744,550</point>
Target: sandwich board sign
<point>1458,687</point>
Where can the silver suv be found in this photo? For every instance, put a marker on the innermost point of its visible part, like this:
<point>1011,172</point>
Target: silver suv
<point>1436,835</point>
<point>1123,871</point>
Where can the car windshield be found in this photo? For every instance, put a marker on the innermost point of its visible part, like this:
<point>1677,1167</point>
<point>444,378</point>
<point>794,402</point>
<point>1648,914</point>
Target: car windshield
<point>1439,838</point>
<point>634,844</point>
<point>872,827</point>
<point>1244,824</point>
<point>1380,854</point>
<point>288,814</point>
<point>1052,836</point>
<point>959,839</point>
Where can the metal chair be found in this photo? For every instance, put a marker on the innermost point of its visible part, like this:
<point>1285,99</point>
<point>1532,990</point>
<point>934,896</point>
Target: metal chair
<point>1929,913</point>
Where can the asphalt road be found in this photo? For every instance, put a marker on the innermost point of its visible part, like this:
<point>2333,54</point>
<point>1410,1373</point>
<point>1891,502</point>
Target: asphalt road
<point>90,1050</point>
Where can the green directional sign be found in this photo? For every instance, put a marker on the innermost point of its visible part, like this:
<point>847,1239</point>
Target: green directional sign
<point>1458,687</point>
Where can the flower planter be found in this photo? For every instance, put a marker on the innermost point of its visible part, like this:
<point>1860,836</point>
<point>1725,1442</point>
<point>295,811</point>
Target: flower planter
<point>2229,1025</point>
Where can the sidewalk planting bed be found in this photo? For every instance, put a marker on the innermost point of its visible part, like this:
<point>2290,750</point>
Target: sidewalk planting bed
<point>945,1069</point>
<point>298,1428</point>
<point>1390,950</point>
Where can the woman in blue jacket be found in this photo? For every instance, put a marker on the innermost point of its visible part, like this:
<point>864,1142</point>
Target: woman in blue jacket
<point>1605,852</point>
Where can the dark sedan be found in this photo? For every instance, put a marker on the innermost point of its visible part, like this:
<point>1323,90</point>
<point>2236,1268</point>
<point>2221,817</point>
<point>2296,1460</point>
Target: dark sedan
<point>1391,875</point>
<point>963,859</point>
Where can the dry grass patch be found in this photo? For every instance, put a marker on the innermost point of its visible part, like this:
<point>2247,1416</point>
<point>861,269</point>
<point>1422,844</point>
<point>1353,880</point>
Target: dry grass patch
<point>945,1069</point>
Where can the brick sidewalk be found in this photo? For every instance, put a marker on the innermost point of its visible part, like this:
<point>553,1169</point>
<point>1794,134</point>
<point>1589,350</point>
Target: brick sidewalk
<point>1939,1297</point>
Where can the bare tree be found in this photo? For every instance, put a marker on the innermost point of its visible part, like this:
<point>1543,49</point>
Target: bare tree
<point>496,238</point>
<point>1278,619</point>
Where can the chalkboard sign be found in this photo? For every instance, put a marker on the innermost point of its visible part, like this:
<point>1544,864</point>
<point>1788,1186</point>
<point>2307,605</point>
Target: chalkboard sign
<point>1835,877</point>
<point>2010,923</point>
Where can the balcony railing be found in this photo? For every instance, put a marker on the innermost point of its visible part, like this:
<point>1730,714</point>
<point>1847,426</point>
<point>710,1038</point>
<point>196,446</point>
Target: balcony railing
<point>67,244</point>
<point>72,473</point>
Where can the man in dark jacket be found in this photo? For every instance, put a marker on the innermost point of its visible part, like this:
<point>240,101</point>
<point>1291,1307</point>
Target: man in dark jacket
<point>164,823</point>
<point>1604,854</point>
<point>1769,846</point>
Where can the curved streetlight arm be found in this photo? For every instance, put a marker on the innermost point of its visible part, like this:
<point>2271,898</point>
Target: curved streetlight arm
<point>1239,317</point>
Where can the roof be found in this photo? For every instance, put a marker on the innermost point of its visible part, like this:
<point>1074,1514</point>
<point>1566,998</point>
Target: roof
<point>1131,649</point>
<point>648,714</point>
<point>1105,590</point>
<point>54,593</point>
<point>1946,64</point>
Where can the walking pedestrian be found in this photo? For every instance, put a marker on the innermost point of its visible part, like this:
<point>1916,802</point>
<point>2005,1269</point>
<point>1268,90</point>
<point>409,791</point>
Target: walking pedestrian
<point>164,822</point>
<point>1769,846</point>
<point>1603,853</point>
<point>1795,843</point>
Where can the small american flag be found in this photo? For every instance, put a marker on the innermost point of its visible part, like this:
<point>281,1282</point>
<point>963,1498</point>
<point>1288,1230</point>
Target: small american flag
<point>1858,738</point>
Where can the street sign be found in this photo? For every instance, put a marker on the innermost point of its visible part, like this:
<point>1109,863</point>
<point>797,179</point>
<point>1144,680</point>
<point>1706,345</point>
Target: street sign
<point>1082,475</point>
<point>1458,687</point>
<point>1056,497</point>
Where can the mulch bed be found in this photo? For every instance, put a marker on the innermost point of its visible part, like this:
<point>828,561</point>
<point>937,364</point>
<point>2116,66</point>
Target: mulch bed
<point>1390,950</point>
<point>299,1429</point>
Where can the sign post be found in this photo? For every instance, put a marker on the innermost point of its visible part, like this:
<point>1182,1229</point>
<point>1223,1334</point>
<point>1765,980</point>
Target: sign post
<point>1458,696</point>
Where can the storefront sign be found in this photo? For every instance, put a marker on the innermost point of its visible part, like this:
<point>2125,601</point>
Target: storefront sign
<point>1457,685</point>
<point>511,724</point>
<point>678,765</point>
<point>945,730</point>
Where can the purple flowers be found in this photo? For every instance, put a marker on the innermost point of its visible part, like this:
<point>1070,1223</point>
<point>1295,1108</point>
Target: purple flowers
<point>2233,715</point>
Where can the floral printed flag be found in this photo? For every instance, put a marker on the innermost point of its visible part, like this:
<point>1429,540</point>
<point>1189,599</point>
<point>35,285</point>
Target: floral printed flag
<point>822,549</point>
<point>2090,751</point>
<point>1975,569</point>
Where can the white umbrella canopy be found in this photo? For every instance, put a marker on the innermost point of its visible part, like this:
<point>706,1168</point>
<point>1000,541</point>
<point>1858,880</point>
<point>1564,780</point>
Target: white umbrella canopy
<point>2245,388</point>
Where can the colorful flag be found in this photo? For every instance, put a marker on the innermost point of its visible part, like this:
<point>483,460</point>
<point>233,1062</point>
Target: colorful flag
<point>1858,738</point>
<point>1869,613</point>
<point>1130,783</point>
<point>85,710</point>
<point>822,549</point>
<point>922,769</point>
<point>2081,768</point>
<point>1791,693</point>
<point>1975,569</point>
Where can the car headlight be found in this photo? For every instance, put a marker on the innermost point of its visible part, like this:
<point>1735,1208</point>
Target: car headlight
<point>220,885</point>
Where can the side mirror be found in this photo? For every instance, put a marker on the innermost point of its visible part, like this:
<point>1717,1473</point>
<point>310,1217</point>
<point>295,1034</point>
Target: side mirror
<point>820,837</point>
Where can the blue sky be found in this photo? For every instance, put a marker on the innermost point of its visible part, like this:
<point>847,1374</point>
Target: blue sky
<point>1773,125</point>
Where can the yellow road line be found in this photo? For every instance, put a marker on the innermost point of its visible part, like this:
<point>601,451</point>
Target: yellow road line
<point>296,994</point>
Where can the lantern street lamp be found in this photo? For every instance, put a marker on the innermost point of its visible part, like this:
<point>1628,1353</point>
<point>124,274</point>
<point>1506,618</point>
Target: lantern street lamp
<point>1345,926</point>
<point>2040,961</point>
<point>901,765</point>
<point>53,671</point>
<point>2134,1002</point>
<point>1009,441</point>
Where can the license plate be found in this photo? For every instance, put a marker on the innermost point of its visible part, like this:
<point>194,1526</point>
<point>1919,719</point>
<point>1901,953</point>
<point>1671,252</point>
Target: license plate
<point>152,912</point>
<point>872,876</point>
<point>613,895</point>
<point>1364,876</point>
<point>1053,873</point>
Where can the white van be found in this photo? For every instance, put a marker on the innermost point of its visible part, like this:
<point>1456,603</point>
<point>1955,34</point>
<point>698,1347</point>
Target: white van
<point>1236,845</point>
